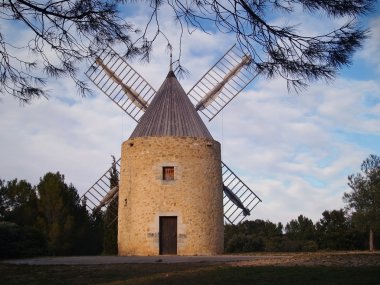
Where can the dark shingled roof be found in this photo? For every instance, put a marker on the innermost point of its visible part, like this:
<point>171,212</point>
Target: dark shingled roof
<point>171,113</point>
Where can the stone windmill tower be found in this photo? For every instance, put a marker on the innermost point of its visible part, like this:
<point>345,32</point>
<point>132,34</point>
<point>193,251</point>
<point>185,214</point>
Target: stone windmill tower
<point>174,190</point>
<point>169,196</point>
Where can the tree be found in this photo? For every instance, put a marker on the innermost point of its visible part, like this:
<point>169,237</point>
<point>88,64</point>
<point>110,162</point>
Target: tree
<point>75,30</point>
<point>52,222</point>
<point>251,236</point>
<point>363,202</point>
<point>335,232</point>
<point>18,202</point>
<point>17,241</point>
<point>110,216</point>
<point>301,231</point>
<point>61,217</point>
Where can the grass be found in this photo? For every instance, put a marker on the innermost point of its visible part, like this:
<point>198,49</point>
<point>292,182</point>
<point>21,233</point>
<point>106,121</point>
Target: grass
<point>182,274</point>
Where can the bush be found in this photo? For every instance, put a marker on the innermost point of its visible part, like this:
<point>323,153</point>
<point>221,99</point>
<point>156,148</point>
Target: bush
<point>290,245</point>
<point>16,241</point>
<point>235,243</point>
<point>244,243</point>
<point>274,244</point>
<point>309,245</point>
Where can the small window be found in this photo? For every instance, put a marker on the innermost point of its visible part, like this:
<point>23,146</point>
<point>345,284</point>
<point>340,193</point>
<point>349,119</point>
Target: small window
<point>168,173</point>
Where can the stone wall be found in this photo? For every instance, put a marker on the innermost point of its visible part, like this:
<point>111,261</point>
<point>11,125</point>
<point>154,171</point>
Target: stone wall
<point>195,195</point>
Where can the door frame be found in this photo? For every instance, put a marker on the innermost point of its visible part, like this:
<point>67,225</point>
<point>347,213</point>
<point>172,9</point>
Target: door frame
<point>162,233</point>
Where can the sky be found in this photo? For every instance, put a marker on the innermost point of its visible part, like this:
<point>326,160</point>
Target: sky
<point>294,151</point>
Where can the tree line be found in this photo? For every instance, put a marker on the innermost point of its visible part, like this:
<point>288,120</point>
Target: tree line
<point>50,219</point>
<point>334,231</point>
<point>352,228</point>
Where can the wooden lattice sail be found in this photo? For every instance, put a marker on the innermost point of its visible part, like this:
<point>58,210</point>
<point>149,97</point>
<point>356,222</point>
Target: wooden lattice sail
<point>238,201</point>
<point>121,83</point>
<point>100,194</point>
<point>222,83</point>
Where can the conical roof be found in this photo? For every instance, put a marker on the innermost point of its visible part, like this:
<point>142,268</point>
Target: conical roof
<point>171,113</point>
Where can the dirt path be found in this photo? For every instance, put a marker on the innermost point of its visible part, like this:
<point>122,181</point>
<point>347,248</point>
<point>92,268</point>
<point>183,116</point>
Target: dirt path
<point>315,259</point>
<point>253,259</point>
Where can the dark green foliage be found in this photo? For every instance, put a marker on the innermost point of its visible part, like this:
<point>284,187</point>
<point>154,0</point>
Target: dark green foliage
<point>301,232</point>
<point>244,243</point>
<point>60,213</point>
<point>96,234</point>
<point>110,229</point>
<point>18,202</point>
<point>114,176</point>
<point>300,229</point>
<point>335,232</point>
<point>251,236</point>
<point>110,216</point>
<point>17,241</point>
<point>49,218</point>
<point>18,215</point>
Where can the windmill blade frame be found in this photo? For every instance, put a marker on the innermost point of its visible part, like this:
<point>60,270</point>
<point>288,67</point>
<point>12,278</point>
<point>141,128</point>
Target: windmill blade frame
<point>222,82</point>
<point>120,82</point>
<point>95,197</point>
<point>238,199</point>
<point>234,212</point>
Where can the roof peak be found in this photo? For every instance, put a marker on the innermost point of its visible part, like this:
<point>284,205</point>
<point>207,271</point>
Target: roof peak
<point>171,74</point>
<point>171,113</point>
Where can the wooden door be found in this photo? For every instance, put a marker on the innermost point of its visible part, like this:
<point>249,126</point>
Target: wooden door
<point>168,235</point>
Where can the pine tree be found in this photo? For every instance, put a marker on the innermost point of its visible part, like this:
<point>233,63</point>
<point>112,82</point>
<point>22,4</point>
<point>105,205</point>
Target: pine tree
<point>61,217</point>
<point>110,216</point>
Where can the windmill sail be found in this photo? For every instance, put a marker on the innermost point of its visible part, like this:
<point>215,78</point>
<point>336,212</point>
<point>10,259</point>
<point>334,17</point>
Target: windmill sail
<point>212,94</point>
<point>132,94</point>
<point>110,196</point>
<point>121,83</point>
<point>239,200</point>
<point>100,194</point>
<point>223,82</point>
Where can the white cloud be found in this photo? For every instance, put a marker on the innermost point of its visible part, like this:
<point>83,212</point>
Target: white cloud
<point>286,146</point>
<point>371,50</point>
<point>76,140</point>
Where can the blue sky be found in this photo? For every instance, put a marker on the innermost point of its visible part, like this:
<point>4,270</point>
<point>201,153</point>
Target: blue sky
<point>294,151</point>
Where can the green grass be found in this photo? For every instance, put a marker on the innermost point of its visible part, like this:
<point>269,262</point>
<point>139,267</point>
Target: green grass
<point>183,274</point>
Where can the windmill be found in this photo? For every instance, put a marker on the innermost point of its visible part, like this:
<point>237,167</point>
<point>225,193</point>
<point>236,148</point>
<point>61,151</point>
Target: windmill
<point>134,95</point>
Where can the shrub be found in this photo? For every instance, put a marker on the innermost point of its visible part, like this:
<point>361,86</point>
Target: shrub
<point>16,241</point>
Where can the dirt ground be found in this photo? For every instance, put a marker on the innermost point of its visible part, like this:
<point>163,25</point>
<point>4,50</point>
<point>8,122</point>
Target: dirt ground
<point>350,259</point>
<point>347,259</point>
